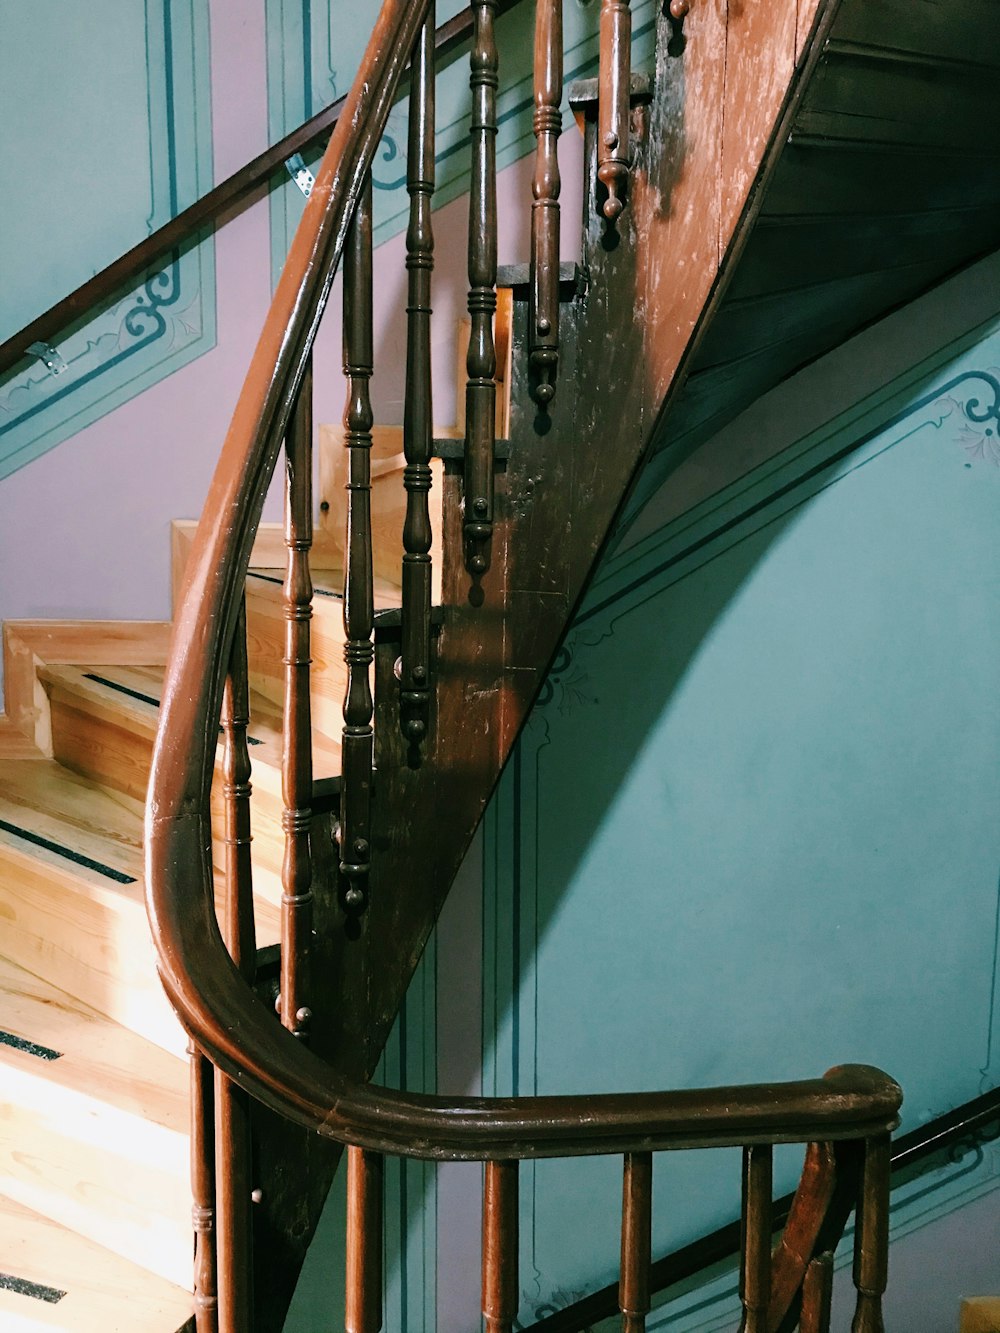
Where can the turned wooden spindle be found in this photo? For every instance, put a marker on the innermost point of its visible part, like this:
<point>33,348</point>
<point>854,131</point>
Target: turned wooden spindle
<point>817,1295</point>
<point>359,604</point>
<point>202,1148</point>
<point>363,1306</point>
<point>614,157</point>
<point>755,1246</point>
<point>543,315</point>
<point>637,1219</point>
<point>237,924</point>
<point>500,1243</point>
<point>418,441</point>
<point>481,362</point>
<point>871,1237</point>
<point>296,726</point>
<point>233,1162</point>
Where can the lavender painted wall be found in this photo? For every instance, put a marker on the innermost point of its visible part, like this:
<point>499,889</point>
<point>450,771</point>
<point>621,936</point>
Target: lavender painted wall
<point>84,530</point>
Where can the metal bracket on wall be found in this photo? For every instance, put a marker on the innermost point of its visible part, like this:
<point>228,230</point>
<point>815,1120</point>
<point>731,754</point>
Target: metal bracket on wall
<point>301,174</point>
<point>49,357</point>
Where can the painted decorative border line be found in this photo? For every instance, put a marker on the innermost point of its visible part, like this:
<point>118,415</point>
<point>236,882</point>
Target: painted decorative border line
<point>169,319</point>
<point>967,402</point>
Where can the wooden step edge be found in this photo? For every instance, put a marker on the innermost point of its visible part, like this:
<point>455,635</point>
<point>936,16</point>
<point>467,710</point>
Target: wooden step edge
<point>28,644</point>
<point>67,1045</point>
<point>55,1279</point>
<point>980,1314</point>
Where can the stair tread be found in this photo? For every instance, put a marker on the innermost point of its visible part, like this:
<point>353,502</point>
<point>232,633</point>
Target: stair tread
<point>89,1289</point>
<point>40,797</point>
<point>328,586</point>
<point>134,693</point>
<point>98,1059</point>
<point>93,1126</point>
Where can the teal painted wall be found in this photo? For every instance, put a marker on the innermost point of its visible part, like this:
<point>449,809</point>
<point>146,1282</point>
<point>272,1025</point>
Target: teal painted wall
<point>102,141</point>
<point>752,827</point>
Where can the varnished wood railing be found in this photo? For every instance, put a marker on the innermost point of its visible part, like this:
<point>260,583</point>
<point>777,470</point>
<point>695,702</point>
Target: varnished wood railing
<point>207,971</point>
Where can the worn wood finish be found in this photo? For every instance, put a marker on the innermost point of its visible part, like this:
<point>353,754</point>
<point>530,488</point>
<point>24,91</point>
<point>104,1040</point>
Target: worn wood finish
<point>614,153</point>
<point>205,1277</point>
<point>817,1295</point>
<point>481,362</point>
<point>363,1307</point>
<point>233,1152</point>
<point>359,596</point>
<point>543,316</point>
<point>418,441</point>
<point>500,1246</point>
<point>755,1250</point>
<point>296,761</point>
<point>871,1237</point>
<point>637,1222</point>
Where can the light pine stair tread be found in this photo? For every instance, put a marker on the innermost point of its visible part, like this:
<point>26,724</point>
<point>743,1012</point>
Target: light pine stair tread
<point>129,698</point>
<point>90,1289</point>
<point>71,895</point>
<point>104,724</point>
<point>980,1314</point>
<point>93,1126</point>
<point>266,640</point>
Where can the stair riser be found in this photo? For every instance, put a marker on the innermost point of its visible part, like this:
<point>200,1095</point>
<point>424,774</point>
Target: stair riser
<point>102,747</point>
<point>88,940</point>
<point>127,1190</point>
<point>265,644</point>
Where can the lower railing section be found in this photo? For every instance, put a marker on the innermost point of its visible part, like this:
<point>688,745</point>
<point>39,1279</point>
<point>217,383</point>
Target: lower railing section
<point>783,1285</point>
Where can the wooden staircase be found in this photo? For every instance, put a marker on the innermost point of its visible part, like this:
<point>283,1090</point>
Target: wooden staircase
<point>98,1119</point>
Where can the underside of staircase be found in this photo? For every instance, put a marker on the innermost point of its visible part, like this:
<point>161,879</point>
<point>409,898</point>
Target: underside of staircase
<point>800,170</point>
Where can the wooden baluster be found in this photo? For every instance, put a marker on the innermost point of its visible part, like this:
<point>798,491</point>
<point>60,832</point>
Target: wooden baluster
<point>637,1219</point>
<point>363,1307</point>
<point>206,1303</point>
<point>359,612</point>
<point>543,317</point>
<point>614,155</point>
<point>296,726</point>
<point>871,1237</point>
<point>233,1161</point>
<point>415,661</point>
<point>817,1293</point>
<point>500,1243</point>
<point>481,362</point>
<point>755,1246</point>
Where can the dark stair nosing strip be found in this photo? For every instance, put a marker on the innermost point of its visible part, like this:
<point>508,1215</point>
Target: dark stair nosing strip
<point>37,1290</point>
<point>77,858</point>
<point>143,698</point>
<point>29,1047</point>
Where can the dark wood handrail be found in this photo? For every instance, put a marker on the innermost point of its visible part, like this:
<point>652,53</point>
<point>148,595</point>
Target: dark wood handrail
<point>213,999</point>
<point>967,1124</point>
<point>206,211</point>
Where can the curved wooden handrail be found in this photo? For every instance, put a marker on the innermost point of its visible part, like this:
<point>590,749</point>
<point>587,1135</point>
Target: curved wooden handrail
<point>213,1000</point>
<point>206,211</point>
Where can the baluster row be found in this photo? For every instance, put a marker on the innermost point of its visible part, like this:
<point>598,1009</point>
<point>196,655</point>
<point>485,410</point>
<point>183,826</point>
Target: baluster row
<point>359,603</point>
<point>500,1287</point>
<point>481,362</point>
<point>418,441</point>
